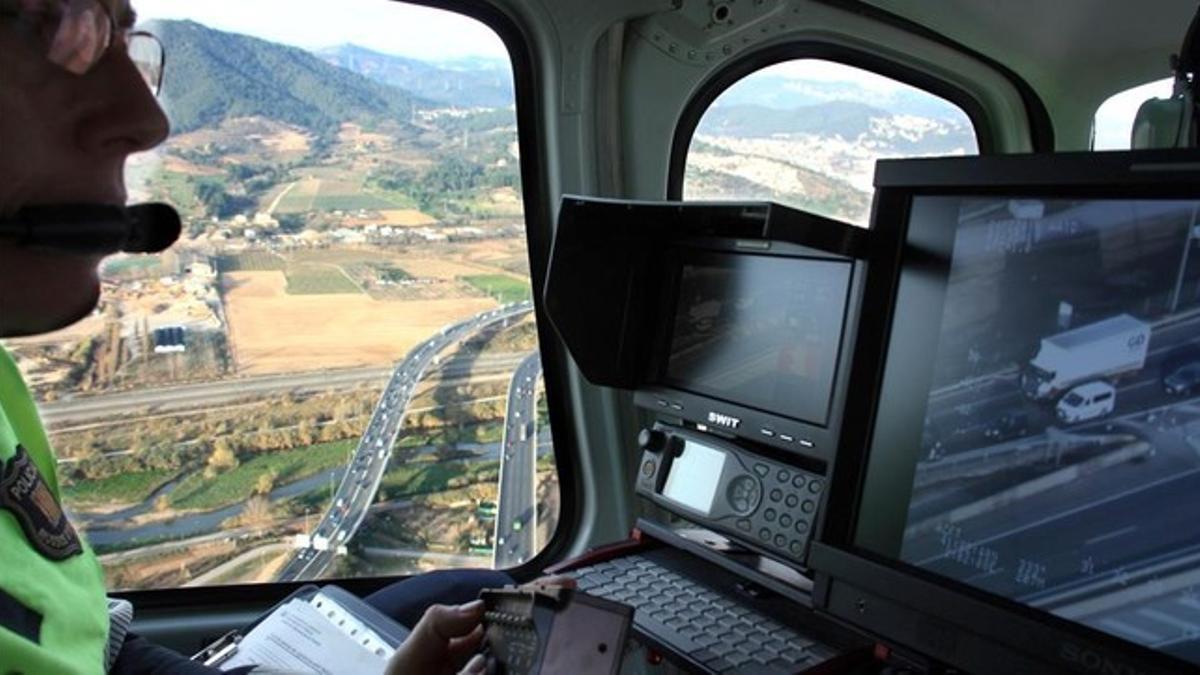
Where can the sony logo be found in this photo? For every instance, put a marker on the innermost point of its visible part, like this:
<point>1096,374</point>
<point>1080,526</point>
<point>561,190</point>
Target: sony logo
<point>723,420</point>
<point>1092,662</point>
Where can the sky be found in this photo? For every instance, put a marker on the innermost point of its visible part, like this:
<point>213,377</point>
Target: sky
<point>381,25</point>
<point>1114,118</point>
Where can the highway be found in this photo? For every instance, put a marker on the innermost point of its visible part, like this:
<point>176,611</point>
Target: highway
<point>960,415</point>
<point>207,395</point>
<point>353,496</point>
<point>516,510</point>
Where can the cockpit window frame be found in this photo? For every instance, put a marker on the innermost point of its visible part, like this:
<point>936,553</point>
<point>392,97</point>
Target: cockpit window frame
<point>726,77</point>
<point>231,599</point>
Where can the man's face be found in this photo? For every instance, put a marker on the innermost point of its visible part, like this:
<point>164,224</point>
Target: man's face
<point>63,138</point>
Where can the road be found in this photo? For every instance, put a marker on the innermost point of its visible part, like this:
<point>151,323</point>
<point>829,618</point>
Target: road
<point>959,416</point>
<point>353,496</point>
<point>516,510</point>
<point>215,574</point>
<point>210,394</point>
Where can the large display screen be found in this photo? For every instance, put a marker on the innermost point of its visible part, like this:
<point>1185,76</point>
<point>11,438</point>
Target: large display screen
<point>760,331</point>
<point>694,477</point>
<point>1040,410</point>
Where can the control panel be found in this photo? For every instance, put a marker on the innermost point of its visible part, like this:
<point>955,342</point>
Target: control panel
<point>537,629</point>
<point>766,504</point>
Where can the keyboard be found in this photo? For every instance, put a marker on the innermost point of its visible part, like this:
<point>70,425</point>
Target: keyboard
<point>696,621</point>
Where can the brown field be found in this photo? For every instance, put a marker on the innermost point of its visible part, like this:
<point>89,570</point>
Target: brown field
<point>406,218</point>
<point>180,165</point>
<point>273,332</point>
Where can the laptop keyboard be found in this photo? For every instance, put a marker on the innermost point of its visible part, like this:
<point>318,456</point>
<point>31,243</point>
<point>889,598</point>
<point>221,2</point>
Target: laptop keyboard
<point>709,627</point>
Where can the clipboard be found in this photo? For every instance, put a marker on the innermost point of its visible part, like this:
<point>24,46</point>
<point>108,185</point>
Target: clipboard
<point>345,608</point>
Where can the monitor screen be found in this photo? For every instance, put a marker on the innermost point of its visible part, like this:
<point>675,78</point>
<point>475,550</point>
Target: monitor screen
<point>760,331</point>
<point>1039,417</point>
<point>694,477</point>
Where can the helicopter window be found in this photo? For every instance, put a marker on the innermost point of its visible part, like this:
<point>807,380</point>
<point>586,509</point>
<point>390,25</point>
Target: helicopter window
<point>807,132</point>
<point>335,372</point>
<point>1113,124</point>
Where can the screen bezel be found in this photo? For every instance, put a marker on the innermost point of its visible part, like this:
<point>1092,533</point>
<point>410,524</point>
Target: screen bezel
<point>684,256</point>
<point>898,252</point>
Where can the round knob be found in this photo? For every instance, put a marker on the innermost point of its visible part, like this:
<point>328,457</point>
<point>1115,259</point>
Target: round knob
<point>652,440</point>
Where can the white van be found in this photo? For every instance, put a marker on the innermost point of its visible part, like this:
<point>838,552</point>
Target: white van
<point>1087,402</point>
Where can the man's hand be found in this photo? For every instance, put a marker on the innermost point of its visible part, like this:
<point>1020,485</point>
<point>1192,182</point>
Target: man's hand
<point>443,640</point>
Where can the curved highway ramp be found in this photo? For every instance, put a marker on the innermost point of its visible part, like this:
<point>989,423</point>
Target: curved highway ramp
<point>356,492</point>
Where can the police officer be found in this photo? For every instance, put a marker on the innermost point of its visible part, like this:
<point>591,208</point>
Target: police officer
<point>77,97</point>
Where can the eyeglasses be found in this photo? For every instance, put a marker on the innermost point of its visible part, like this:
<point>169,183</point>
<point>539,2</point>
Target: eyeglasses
<point>76,34</point>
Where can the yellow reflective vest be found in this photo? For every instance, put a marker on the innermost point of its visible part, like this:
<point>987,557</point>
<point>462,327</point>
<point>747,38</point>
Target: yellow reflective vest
<point>53,611</point>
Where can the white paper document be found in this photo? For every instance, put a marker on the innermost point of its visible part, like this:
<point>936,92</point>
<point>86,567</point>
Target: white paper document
<point>312,636</point>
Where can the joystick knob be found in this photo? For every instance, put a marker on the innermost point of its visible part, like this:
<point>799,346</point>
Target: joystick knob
<point>652,440</point>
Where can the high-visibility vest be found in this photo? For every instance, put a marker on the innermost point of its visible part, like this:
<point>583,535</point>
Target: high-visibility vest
<point>53,611</point>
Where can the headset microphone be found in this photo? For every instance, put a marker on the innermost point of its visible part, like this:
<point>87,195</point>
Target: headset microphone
<point>93,228</point>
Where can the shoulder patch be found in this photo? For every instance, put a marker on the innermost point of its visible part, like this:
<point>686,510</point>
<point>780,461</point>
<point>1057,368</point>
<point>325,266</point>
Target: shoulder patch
<point>25,494</point>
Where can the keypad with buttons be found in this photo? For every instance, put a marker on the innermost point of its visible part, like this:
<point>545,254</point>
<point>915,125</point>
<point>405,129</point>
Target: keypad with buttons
<point>783,521</point>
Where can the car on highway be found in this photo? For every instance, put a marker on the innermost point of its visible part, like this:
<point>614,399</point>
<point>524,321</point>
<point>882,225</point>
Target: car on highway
<point>1008,425</point>
<point>1183,380</point>
<point>1086,402</point>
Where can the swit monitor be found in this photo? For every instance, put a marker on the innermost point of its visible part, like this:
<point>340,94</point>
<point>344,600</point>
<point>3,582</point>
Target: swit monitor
<point>736,317</point>
<point>752,342</point>
<point>1021,491</point>
<point>732,324</point>
<point>758,331</point>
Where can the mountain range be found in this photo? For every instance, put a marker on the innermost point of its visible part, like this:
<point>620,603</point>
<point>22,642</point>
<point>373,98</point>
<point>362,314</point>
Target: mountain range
<point>213,75</point>
<point>473,83</point>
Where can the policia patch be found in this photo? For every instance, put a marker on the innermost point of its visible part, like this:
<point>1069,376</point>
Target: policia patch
<point>29,499</point>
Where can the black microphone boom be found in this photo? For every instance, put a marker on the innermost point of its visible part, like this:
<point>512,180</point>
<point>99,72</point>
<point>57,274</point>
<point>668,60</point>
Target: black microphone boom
<point>93,228</point>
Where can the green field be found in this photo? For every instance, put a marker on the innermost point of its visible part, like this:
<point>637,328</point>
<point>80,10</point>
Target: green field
<point>389,272</point>
<point>504,289</point>
<point>342,193</point>
<point>487,432</point>
<point>125,488</point>
<point>231,487</point>
<point>318,280</point>
<point>132,264</point>
<point>251,261</point>
<point>417,478</point>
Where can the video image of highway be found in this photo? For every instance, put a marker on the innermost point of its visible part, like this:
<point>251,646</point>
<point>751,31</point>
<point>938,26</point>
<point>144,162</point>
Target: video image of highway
<point>1060,455</point>
<point>761,331</point>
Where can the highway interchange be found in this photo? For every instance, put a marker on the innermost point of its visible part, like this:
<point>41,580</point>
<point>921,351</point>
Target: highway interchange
<point>354,495</point>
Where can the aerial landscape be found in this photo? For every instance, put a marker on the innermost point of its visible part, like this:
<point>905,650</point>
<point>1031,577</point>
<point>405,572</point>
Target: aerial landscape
<point>330,374</point>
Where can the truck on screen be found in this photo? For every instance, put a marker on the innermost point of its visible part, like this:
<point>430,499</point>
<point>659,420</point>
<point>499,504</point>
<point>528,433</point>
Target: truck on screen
<point>1103,350</point>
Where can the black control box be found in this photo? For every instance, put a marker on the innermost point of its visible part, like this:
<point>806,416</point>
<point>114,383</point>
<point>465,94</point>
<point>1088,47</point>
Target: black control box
<point>768,505</point>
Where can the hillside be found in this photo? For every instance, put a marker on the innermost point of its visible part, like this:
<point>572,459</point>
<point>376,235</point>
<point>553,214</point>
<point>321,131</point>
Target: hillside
<point>212,76</point>
<point>466,85</point>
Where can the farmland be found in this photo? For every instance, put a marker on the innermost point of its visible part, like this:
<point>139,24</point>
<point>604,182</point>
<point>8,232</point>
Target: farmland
<point>316,279</point>
<point>276,332</point>
<point>504,288</point>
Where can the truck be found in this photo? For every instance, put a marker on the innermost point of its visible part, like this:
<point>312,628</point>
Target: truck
<point>1103,350</point>
<point>320,542</point>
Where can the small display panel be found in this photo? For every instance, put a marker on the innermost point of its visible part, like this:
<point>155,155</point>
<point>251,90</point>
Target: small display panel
<point>694,476</point>
<point>760,331</point>
<point>1040,413</point>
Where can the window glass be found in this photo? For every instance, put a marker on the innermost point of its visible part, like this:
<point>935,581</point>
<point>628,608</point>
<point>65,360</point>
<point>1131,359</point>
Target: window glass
<point>335,371</point>
<point>1113,125</point>
<point>806,133</point>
